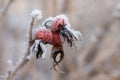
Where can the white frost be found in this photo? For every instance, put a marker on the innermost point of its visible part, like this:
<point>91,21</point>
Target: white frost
<point>10,64</point>
<point>68,26</point>
<point>63,16</point>
<point>34,50</point>
<point>48,19</point>
<point>75,33</point>
<point>37,14</point>
<point>44,51</point>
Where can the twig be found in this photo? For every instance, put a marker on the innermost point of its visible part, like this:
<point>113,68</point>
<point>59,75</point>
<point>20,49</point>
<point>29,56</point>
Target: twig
<point>5,9</point>
<point>36,15</point>
<point>12,73</point>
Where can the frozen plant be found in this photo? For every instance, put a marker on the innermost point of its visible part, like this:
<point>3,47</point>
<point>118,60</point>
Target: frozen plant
<point>55,31</point>
<point>35,15</point>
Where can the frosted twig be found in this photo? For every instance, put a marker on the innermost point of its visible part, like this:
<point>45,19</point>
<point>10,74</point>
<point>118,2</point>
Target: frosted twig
<point>3,13</point>
<point>11,73</point>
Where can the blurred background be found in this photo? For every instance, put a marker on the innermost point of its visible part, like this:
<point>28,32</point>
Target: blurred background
<point>97,56</point>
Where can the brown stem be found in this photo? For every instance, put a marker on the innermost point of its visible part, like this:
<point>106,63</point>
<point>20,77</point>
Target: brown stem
<point>24,61</point>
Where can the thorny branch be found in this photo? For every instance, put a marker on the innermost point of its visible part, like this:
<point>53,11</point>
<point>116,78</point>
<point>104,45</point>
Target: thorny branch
<point>11,73</point>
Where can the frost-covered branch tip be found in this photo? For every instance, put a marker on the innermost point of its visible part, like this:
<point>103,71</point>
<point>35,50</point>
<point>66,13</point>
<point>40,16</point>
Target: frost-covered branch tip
<point>36,14</point>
